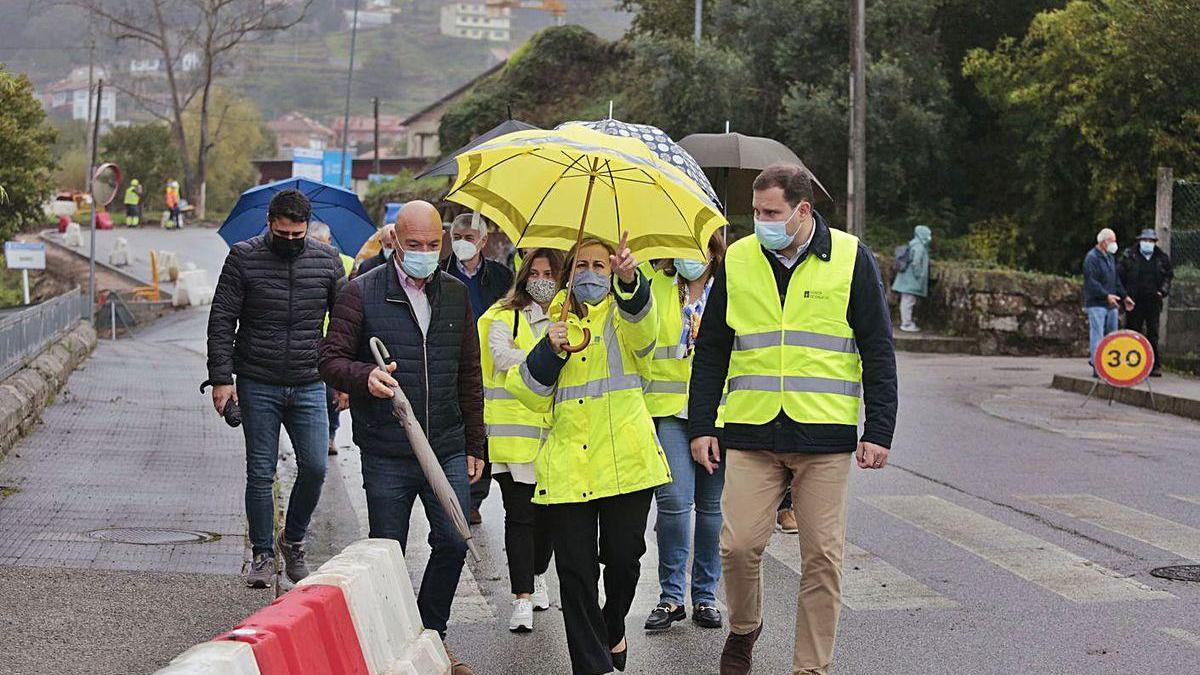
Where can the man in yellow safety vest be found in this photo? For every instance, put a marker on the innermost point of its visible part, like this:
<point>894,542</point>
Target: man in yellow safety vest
<point>796,329</point>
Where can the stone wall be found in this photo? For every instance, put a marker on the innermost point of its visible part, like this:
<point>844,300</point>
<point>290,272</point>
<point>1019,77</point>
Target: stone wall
<point>1006,311</point>
<point>1183,320</point>
<point>25,393</point>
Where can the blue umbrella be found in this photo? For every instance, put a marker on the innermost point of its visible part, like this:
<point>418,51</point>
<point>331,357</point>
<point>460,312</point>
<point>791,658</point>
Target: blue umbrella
<point>337,207</point>
<point>660,144</point>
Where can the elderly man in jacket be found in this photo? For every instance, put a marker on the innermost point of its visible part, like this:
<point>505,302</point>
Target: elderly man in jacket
<point>265,324</point>
<point>1146,273</point>
<point>423,316</point>
<point>1103,293</point>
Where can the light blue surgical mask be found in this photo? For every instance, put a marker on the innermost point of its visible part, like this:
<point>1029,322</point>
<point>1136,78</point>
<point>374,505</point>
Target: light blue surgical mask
<point>590,288</point>
<point>419,264</point>
<point>773,234</point>
<point>1147,247</point>
<point>690,269</point>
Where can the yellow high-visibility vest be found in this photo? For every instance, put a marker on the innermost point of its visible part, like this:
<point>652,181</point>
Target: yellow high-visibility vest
<point>132,198</point>
<point>801,357</point>
<point>667,387</point>
<point>515,433</point>
<point>602,440</point>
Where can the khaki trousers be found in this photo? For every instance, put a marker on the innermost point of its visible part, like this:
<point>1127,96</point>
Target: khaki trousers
<point>755,481</point>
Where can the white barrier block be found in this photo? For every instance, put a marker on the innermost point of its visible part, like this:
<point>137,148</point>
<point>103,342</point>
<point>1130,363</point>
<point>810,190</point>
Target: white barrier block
<point>72,237</point>
<point>425,656</point>
<point>389,550</point>
<point>220,657</point>
<point>119,257</point>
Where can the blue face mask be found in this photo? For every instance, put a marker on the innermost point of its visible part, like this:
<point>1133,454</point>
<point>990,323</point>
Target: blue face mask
<point>590,288</point>
<point>773,234</point>
<point>690,269</point>
<point>419,264</point>
<point>1147,247</point>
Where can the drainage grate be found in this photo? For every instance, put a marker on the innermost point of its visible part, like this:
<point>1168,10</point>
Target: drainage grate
<point>151,536</point>
<point>1177,572</point>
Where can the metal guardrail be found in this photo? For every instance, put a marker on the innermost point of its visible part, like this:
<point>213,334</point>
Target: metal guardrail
<point>24,334</point>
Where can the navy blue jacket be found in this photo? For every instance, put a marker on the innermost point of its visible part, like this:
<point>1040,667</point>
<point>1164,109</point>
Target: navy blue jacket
<point>1100,279</point>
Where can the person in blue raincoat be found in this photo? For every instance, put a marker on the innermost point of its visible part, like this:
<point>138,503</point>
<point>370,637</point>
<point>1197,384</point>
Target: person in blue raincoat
<point>913,281</point>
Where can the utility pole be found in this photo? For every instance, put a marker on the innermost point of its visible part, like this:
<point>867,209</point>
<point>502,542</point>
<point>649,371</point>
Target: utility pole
<point>346,117</point>
<point>375,103</point>
<point>1164,206</point>
<point>87,132</point>
<point>699,21</point>
<point>91,186</point>
<point>856,179</point>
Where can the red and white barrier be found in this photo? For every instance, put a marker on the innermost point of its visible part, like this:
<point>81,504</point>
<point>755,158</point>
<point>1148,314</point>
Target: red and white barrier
<point>356,615</point>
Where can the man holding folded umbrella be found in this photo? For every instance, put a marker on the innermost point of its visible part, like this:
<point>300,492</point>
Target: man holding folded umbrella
<point>423,316</point>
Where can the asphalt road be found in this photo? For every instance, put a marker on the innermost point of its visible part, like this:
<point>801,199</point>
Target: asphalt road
<point>1014,532</point>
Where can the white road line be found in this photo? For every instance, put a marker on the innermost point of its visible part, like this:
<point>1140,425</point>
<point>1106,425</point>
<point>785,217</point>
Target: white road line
<point>1187,636</point>
<point>1159,532</point>
<point>1040,562</point>
<point>868,583</point>
<point>1193,499</point>
<point>470,605</point>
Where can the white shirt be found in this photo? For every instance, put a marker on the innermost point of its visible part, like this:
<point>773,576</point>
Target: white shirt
<point>416,296</point>
<point>790,261</point>
<point>505,355</point>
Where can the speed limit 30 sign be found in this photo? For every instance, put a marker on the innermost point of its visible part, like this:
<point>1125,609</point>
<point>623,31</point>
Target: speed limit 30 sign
<point>1124,358</point>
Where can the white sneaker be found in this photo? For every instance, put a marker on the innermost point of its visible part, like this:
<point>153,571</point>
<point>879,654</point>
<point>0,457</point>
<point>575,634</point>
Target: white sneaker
<point>540,597</point>
<point>522,616</point>
<point>910,328</point>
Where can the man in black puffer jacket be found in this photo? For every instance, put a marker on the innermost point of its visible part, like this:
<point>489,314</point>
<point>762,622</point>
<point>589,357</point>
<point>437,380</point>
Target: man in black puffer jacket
<point>265,326</point>
<point>423,316</point>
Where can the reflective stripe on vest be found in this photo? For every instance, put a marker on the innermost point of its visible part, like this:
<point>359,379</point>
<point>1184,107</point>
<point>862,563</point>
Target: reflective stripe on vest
<point>800,358</point>
<point>667,387</point>
<point>515,433</point>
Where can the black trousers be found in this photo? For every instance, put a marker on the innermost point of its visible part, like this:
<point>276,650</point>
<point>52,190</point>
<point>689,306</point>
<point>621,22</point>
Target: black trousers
<point>525,538</point>
<point>1144,319</point>
<point>612,532</point>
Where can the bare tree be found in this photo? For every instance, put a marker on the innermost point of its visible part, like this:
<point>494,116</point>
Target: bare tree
<point>173,29</point>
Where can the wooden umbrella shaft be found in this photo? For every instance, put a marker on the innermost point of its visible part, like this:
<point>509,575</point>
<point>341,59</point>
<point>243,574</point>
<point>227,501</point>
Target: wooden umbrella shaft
<point>587,200</point>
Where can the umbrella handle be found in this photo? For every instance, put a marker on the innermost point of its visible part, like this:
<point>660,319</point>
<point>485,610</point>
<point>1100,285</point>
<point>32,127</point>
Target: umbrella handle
<point>575,349</point>
<point>380,351</point>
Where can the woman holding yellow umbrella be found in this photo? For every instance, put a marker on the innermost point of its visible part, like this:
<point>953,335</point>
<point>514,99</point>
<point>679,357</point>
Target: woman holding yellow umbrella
<point>598,467</point>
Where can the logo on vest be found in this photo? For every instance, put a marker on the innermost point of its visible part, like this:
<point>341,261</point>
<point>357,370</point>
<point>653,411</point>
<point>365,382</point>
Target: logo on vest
<point>815,295</point>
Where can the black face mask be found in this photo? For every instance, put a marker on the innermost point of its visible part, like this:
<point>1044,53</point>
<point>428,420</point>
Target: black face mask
<point>284,248</point>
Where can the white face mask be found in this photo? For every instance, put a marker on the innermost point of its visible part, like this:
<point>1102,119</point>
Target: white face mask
<point>463,249</point>
<point>1111,247</point>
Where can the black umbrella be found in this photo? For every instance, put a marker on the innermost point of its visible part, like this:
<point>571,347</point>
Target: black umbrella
<point>741,157</point>
<point>449,165</point>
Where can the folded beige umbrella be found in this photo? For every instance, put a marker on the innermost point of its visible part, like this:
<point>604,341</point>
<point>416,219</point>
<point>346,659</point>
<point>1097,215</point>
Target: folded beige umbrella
<point>428,460</point>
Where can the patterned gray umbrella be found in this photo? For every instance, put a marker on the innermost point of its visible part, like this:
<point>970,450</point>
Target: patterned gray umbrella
<point>661,144</point>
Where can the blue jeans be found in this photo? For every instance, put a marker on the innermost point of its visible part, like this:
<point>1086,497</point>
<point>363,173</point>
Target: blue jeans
<point>392,485</point>
<point>302,411</point>
<point>691,487</point>
<point>1101,322</point>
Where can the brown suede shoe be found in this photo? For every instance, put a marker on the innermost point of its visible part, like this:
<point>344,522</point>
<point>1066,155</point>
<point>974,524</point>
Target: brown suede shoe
<point>737,655</point>
<point>456,667</point>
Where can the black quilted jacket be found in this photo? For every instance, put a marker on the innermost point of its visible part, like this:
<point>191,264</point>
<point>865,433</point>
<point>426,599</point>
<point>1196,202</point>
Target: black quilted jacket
<point>268,313</point>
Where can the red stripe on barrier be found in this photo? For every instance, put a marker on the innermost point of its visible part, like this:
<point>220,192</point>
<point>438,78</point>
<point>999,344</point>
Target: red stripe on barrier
<point>308,630</point>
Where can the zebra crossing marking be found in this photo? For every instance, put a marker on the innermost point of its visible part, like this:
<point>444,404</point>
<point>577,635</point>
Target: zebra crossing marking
<point>868,582</point>
<point>1145,527</point>
<point>1035,560</point>
<point>1192,499</point>
<point>1186,635</point>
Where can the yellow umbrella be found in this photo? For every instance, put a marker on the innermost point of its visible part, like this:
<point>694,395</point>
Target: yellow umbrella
<point>551,188</point>
<point>537,185</point>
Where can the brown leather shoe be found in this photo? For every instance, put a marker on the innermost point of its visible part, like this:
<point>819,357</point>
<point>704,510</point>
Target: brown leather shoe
<point>737,655</point>
<point>785,520</point>
<point>456,667</point>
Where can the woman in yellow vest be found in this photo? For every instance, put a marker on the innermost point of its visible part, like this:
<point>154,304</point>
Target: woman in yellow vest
<point>680,289</point>
<point>597,470</point>
<point>507,332</point>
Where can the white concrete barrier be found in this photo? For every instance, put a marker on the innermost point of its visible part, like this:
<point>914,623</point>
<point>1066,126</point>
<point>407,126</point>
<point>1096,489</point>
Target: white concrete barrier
<point>374,579</point>
<point>193,288</point>
<point>119,257</point>
<point>224,657</point>
<point>72,236</point>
